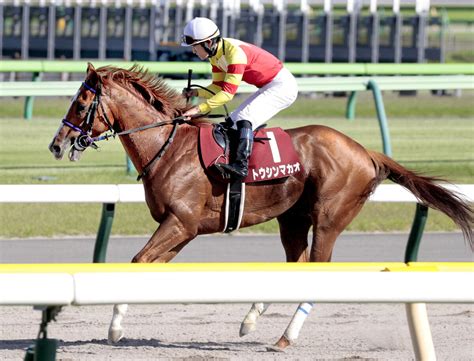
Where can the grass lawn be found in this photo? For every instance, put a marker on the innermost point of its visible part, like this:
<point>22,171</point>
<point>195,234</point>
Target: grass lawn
<point>431,134</point>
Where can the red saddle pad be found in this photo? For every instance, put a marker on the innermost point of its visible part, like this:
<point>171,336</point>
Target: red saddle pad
<point>271,158</point>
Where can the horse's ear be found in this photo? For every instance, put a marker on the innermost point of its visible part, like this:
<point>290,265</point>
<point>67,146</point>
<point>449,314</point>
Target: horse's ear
<point>90,67</point>
<point>92,76</point>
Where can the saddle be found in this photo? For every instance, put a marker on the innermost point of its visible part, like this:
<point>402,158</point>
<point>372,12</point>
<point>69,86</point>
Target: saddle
<point>273,155</point>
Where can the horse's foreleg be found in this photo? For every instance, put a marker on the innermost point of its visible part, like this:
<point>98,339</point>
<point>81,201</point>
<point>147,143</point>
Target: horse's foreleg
<point>116,329</point>
<point>293,330</point>
<point>250,321</point>
<point>165,243</point>
<point>170,237</point>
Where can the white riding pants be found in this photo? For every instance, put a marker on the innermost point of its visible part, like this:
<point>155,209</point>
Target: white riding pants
<point>267,101</point>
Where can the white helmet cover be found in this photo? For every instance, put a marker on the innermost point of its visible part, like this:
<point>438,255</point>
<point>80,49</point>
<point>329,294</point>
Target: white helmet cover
<point>199,30</point>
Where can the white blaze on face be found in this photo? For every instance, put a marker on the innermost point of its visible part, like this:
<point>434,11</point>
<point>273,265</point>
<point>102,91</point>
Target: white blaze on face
<point>57,146</point>
<point>57,131</point>
<point>62,125</point>
<point>73,100</point>
<point>75,96</point>
<point>74,154</point>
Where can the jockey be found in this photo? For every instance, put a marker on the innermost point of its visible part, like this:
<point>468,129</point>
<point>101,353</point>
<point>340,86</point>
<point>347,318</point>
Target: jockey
<point>233,61</point>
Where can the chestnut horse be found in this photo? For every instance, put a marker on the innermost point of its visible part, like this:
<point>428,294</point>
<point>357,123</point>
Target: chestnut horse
<point>337,178</point>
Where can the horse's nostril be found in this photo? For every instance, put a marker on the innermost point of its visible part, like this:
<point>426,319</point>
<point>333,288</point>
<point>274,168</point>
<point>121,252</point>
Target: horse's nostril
<point>56,148</point>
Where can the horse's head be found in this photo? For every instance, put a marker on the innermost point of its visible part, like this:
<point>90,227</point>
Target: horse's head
<point>86,118</point>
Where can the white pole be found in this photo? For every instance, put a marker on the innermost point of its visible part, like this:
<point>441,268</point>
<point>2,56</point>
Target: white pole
<point>327,6</point>
<point>278,4</point>
<point>350,6</point>
<point>304,7</point>
<point>396,6</point>
<point>189,10</point>
<point>420,332</point>
<point>213,10</point>
<point>254,5</point>
<point>422,6</point>
<point>373,6</point>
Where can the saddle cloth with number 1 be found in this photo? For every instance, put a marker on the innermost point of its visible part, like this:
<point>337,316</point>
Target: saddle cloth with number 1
<point>273,155</point>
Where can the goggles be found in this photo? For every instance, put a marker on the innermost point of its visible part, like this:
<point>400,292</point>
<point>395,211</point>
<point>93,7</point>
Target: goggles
<point>188,40</point>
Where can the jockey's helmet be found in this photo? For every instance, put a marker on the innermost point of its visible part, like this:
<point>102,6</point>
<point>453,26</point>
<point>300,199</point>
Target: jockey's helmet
<point>199,30</point>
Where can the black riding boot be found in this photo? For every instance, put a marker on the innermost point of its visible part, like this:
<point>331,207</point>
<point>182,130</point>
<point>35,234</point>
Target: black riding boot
<point>239,169</point>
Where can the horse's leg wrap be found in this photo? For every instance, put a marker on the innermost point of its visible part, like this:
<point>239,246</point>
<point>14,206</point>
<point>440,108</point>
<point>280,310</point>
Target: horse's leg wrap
<point>115,330</point>
<point>296,323</point>
<point>249,323</point>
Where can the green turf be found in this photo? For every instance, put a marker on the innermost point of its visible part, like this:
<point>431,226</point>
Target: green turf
<point>429,133</point>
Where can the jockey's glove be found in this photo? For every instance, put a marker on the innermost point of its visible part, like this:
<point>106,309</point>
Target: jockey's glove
<point>189,93</point>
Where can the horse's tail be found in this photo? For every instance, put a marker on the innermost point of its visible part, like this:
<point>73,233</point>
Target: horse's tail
<point>428,192</point>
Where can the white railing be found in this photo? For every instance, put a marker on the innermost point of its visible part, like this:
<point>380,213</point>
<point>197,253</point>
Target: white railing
<point>95,284</point>
<point>307,84</point>
<point>129,193</point>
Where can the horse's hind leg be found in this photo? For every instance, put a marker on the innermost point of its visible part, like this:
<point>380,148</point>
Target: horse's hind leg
<point>294,327</point>
<point>328,222</point>
<point>294,228</point>
<point>295,244</point>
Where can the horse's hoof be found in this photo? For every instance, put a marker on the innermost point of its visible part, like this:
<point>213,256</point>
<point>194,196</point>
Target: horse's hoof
<point>115,335</point>
<point>246,328</point>
<point>282,343</point>
<point>275,348</point>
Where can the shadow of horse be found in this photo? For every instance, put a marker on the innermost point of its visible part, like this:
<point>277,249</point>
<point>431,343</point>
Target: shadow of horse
<point>22,344</point>
<point>155,343</point>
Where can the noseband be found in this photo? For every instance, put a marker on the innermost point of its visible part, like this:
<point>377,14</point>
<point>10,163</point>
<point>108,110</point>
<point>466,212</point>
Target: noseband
<point>85,140</point>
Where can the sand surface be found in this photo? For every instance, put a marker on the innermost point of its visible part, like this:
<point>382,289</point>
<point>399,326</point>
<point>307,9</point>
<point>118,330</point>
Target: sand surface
<point>210,332</point>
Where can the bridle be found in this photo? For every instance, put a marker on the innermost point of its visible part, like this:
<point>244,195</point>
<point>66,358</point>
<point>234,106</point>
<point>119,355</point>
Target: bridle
<point>86,140</point>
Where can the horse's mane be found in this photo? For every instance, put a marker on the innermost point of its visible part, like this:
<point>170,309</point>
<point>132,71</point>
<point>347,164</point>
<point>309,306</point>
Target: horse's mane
<point>153,89</point>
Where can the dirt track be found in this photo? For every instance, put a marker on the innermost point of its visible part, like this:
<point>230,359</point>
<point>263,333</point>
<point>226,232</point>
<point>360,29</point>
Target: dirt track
<point>203,332</point>
<point>211,332</point>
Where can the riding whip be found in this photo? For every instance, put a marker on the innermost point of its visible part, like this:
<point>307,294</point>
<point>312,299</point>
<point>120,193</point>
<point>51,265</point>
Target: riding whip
<point>188,88</point>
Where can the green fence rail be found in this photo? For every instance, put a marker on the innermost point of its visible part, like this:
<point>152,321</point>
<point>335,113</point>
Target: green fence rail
<point>68,66</point>
<point>353,84</point>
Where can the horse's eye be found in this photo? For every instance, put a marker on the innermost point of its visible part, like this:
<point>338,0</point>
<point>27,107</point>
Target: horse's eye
<point>80,107</point>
